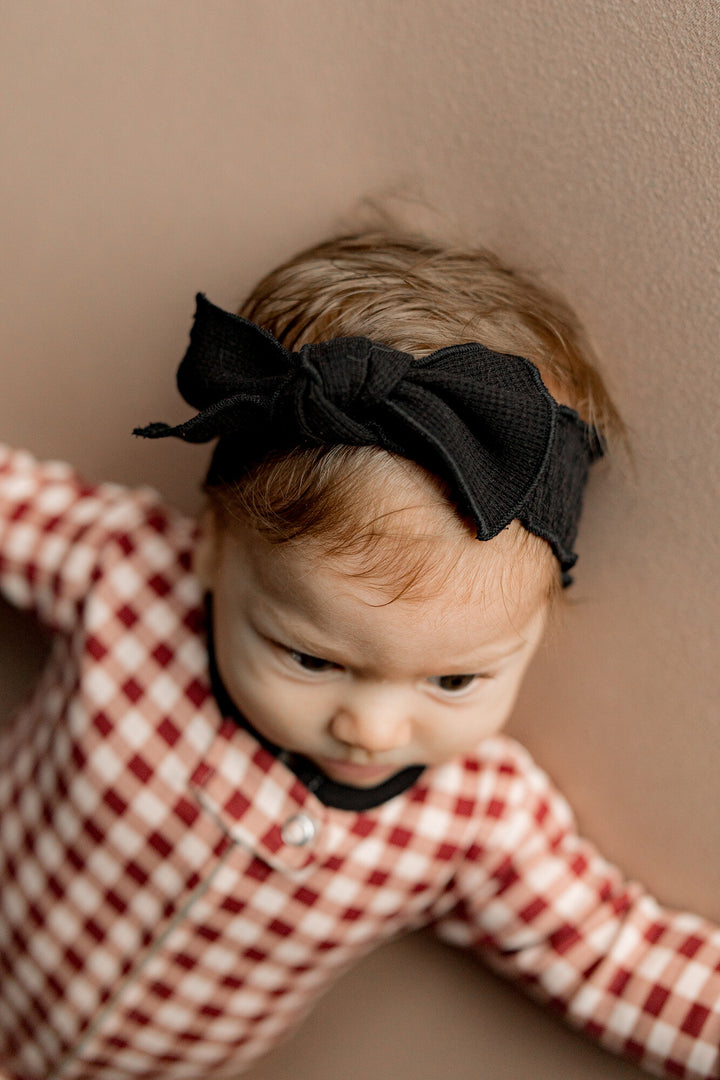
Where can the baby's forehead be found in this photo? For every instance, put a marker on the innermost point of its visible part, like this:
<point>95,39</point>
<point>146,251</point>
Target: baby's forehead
<point>385,522</point>
<point>424,607</point>
<point>414,553</point>
<point>406,531</point>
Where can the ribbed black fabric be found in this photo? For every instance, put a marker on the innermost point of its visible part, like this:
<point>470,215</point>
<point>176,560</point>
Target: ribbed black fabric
<point>481,420</point>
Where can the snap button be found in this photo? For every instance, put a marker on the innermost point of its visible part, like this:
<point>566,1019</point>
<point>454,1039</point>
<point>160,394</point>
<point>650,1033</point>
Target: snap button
<point>298,830</point>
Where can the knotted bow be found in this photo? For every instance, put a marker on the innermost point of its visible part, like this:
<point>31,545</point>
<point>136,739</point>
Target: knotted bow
<point>481,420</point>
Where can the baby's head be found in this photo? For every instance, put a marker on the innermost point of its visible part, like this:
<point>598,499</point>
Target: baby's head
<point>358,619</point>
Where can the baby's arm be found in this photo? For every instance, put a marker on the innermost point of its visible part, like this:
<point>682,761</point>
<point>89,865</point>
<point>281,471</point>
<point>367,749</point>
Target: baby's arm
<point>539,904</point>
<point>49,535</point>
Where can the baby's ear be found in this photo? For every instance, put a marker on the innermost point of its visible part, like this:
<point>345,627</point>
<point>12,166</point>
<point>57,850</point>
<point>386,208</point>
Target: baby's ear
<point>207,547</point>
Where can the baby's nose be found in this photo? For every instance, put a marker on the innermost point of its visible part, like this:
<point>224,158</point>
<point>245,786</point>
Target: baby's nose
<point>372,722</point>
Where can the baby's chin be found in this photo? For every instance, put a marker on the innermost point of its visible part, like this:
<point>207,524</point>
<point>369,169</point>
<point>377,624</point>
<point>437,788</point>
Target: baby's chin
<point>362,776</point>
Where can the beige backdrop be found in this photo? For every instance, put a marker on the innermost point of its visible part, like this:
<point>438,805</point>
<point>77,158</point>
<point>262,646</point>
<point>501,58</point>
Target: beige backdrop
<point>152,148</point>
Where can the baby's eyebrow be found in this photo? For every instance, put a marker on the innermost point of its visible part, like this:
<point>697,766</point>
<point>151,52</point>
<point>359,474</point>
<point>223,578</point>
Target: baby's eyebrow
<point>479,663</point>
<point>479,667</point>
<point>295,631</point>
<point>290,637</point>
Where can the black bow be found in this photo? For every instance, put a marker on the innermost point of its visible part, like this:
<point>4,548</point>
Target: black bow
<point>482,420</point>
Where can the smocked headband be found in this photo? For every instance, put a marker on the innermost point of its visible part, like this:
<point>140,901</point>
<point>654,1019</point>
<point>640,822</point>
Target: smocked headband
<point>481,420</point>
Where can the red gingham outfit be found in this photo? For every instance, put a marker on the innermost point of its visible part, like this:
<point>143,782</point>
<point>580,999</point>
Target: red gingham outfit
<point>173,897</point>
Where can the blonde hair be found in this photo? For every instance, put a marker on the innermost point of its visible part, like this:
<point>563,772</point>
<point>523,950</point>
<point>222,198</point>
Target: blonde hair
<point>415,295</point>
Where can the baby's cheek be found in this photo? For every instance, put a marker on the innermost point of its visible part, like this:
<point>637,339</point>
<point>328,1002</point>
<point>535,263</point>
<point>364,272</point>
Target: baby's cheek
<point>489,717</point>
<point>286,702</point>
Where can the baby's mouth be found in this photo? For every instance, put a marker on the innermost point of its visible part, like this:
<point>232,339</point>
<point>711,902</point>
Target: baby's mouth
<point>361,774</point>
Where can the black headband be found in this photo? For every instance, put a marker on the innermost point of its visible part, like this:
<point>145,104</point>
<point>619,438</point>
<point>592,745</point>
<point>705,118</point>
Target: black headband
<point>481,420</point>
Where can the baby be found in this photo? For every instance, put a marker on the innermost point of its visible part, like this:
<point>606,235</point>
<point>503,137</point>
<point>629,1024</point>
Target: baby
<point>267,743</point>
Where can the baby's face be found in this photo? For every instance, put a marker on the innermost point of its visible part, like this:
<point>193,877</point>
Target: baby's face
<point>331,666</point>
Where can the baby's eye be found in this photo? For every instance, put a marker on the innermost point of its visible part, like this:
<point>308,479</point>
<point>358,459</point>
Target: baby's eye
<point>311,663</point>
<point>452,684</point>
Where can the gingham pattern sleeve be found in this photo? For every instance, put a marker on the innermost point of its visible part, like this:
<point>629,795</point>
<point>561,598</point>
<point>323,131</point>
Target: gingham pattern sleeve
<point>542,906</point>
<point>50,522</point>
